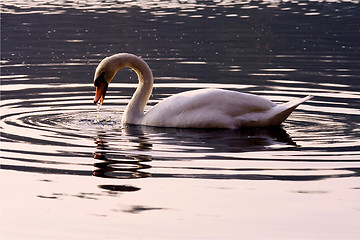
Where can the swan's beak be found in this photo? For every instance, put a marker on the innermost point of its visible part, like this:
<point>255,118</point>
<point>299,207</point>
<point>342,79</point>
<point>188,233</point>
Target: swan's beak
<point>100,92</point>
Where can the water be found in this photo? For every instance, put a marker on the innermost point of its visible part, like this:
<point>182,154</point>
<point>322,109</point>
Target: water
<point>69,171</point>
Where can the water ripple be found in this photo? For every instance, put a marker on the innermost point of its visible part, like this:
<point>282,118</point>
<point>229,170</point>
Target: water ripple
<point>47,115</point>
<point>50,135</point>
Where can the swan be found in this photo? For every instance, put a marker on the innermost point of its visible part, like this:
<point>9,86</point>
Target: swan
<point>203,108</point>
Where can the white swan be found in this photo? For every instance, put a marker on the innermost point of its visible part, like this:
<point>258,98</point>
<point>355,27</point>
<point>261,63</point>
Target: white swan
<point>204,108</point>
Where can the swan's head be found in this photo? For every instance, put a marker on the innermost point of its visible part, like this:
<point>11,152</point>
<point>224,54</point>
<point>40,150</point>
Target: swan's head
<point>109,66</point>
<point>104,73</point>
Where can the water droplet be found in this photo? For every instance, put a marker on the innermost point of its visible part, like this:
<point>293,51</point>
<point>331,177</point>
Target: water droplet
<point>97,119</point>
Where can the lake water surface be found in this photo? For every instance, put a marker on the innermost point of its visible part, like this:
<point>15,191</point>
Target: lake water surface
<point>69,172</point>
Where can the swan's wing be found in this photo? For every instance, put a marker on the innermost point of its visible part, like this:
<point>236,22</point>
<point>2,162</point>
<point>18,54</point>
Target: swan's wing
<point>205,108</point>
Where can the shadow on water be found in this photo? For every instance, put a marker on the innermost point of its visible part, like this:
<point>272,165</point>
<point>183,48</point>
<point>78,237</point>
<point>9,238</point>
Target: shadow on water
<point>116,162</point>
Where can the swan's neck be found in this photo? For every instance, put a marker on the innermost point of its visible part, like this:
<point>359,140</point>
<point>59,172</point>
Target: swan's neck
<point>134,111</point>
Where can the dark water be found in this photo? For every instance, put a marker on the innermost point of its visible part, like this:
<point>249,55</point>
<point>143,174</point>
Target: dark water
<point>68,172</point>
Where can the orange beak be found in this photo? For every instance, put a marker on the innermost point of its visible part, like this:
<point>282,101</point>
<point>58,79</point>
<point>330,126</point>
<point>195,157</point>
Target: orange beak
<point>100,92</point>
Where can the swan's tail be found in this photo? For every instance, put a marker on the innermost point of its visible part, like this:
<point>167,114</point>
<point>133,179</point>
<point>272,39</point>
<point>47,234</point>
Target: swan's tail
<point>280,113</point>
<point>273,117</point>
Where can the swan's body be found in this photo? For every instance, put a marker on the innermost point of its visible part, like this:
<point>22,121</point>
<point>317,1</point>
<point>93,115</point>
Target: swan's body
<point>204,108</point>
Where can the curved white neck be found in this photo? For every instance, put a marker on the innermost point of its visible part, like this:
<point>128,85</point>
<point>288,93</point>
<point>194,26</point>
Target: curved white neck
<point>135,109</point>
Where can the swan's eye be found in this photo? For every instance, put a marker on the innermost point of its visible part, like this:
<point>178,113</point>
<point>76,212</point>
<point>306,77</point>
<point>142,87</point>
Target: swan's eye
<point>101,78</point>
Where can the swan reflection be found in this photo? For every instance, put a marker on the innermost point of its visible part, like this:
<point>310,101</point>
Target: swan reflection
<point>129,156</point>
<point>223,140</point>
<point>141,151</point>
<point>115,164</point>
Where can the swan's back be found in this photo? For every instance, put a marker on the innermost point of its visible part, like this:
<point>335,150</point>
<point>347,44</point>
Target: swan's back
<point>205,108</point>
